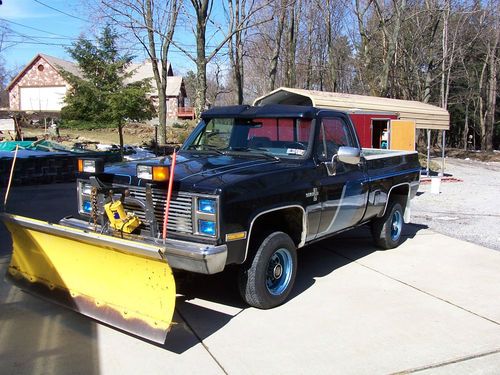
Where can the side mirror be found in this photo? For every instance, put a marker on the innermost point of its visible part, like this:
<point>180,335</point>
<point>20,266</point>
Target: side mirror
<point>349,155</point>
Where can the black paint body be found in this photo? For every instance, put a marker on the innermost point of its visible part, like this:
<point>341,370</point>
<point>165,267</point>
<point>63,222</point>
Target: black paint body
<point>249,185</point>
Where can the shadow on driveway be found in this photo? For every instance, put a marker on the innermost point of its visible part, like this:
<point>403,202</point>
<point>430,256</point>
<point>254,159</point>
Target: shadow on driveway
<point>315,261</point>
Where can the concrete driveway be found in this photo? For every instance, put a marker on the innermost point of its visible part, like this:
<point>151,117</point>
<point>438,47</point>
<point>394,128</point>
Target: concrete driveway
<point>431,306</point>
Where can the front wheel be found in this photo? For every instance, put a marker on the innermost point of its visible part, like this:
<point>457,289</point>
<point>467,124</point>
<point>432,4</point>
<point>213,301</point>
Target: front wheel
<point>386,231</point>
<point>267,280</point>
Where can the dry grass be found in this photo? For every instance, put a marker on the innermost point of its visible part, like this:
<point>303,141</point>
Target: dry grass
<point>133,134</point>
<point>474,155</point>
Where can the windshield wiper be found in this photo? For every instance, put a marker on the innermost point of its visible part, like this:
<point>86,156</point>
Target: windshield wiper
<point>260,151</point>
<point>206,148</point>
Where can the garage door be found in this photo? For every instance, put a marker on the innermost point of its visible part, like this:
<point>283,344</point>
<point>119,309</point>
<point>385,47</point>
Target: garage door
<point>42,98</point>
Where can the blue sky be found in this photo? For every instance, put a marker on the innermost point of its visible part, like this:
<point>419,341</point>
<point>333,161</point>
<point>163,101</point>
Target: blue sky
<point>38,29</point>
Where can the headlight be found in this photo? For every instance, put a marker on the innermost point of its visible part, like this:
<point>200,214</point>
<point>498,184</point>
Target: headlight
<point>86,189</point>
<point>205,211</point>
<point>90,165</point>
<point>207,227</point>
<point>153,172</point>
<point>145,172</point>
<point>206,205</point>
<point>87,207</point>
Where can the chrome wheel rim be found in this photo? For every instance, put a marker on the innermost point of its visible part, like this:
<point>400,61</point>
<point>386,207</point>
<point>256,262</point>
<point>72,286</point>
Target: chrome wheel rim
<point>396,225</point>
<point>279,271</point>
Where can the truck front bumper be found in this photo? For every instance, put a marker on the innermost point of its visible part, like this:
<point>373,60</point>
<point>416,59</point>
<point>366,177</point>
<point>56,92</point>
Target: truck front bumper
<point>183,255</point>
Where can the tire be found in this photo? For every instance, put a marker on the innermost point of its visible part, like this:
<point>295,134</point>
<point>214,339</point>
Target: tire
<point>267,279</point>
<point>386,231</point>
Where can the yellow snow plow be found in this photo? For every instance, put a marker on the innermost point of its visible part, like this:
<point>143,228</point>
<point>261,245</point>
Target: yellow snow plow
<point>121,282</point>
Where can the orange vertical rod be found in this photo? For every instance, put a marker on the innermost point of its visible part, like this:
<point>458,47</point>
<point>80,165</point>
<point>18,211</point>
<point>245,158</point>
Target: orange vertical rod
<point>169,195</point>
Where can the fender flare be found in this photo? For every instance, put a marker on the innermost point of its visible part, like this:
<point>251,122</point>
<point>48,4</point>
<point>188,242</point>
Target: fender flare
<point>407,206</point>
<point>304,225</point>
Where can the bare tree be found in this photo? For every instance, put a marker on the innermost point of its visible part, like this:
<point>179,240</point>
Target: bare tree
<point>153,23</point>
<point>292,31</point>
<point>236,45</point>
<point>280,11</point>
<point>202,17</point>
<point>390,23</point>
<point>492,61</point>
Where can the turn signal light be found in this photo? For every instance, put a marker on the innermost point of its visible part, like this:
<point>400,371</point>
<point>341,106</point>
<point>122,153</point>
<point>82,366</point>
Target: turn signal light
<point>160,173</point>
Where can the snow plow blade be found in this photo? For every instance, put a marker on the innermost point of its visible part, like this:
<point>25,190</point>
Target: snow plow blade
<point>123,283</point>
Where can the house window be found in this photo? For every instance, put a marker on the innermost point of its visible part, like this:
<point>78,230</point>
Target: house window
<point>41,68</point>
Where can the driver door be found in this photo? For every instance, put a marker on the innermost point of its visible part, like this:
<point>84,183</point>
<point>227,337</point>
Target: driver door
<point>344,194</point>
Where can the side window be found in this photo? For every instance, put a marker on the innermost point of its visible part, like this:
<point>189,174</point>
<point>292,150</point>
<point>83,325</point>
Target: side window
<point>333,134</point>
<point>217,133</point>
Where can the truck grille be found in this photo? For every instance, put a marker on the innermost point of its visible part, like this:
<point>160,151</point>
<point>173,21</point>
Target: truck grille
<point>179,215</point>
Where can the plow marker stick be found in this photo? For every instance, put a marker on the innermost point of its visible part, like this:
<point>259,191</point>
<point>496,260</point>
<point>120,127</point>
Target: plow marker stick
<point>169,195</point>
<point>10,177</point>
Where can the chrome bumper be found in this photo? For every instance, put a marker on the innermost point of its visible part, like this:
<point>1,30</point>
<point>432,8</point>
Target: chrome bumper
<point>183,255</point>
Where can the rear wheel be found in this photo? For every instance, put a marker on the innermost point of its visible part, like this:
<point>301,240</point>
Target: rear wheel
<point>386,231</point>
<point>266,281</point>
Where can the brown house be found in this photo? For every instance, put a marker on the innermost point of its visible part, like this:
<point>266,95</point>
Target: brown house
<point>40,86</point>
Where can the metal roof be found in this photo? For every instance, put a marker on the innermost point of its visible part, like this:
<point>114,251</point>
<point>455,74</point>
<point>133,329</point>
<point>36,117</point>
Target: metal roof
<point>426,116</point>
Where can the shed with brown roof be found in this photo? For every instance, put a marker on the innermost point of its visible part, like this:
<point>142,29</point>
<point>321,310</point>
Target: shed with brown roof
<point>426,116</point>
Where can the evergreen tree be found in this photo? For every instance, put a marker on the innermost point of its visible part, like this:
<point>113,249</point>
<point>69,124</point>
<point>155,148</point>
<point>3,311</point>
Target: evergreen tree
<point>100,94</point>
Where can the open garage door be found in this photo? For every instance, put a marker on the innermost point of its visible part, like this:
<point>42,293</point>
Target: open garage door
<point>42,98</point>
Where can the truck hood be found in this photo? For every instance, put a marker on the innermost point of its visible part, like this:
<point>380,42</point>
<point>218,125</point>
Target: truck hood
<point>204,172</point>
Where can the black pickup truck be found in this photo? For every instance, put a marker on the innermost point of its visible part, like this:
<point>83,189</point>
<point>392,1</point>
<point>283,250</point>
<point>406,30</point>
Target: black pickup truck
<point>252,185</point>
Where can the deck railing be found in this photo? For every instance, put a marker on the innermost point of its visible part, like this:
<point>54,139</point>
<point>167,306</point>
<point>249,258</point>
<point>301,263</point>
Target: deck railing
<point>185,112</point>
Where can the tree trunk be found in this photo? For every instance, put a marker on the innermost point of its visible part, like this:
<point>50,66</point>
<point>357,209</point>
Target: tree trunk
<point>465,135</point>
<point>446,16</point>
<point>392,40</point>
<point>240,74</point>
<point>120,135</point>
<point>201,58</point>
<point>430,64</point>
<point>160,77</point>
<point>363,32</point>
<point>201,85</point>
<point>482,114</point>
<point>277,45</point>
<point>310,25</point>
<point>491,94</point>
<point>162,117</point>
<point>292,30</point>
<point>330,49</point>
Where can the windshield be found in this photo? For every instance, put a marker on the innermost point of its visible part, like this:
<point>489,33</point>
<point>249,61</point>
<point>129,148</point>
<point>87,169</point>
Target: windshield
<point>275,137</point>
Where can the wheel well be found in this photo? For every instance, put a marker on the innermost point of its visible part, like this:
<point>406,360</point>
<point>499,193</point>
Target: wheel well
<point>400,193</point>
<point>288,220</point>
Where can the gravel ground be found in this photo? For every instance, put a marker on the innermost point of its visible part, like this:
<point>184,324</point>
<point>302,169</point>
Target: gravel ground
<point>467,210</point>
